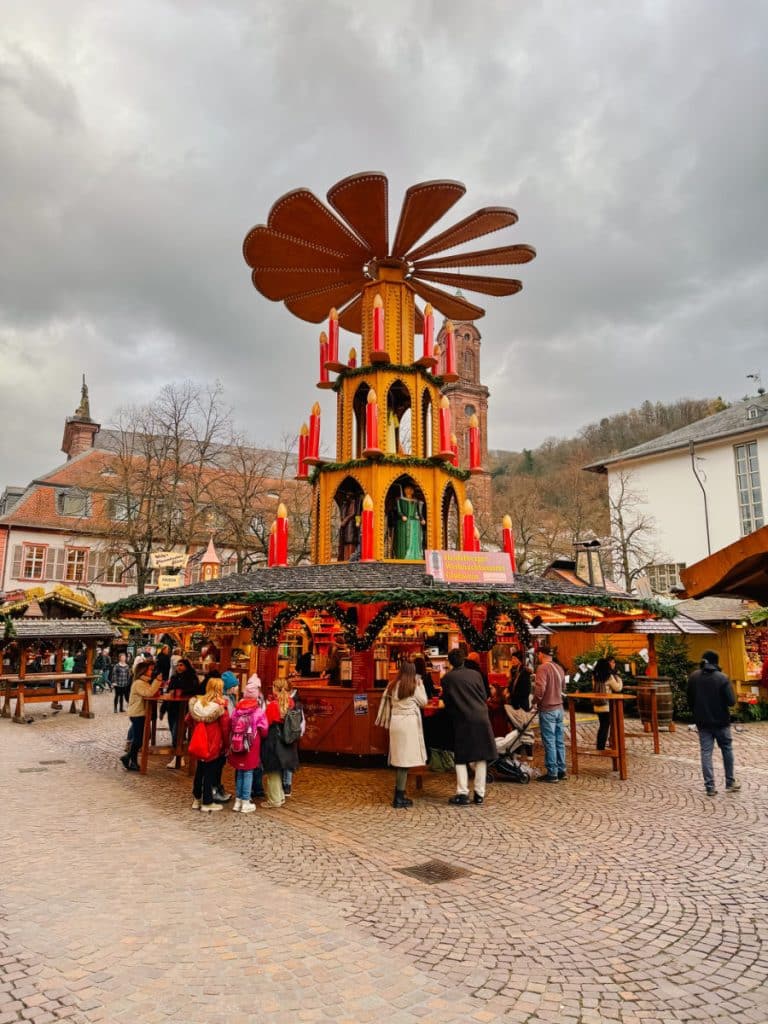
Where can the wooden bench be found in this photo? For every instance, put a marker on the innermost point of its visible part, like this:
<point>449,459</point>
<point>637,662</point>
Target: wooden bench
<point>43,688</point>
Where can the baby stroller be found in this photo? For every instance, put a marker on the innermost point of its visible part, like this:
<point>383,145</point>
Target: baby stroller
<point>506,767</point>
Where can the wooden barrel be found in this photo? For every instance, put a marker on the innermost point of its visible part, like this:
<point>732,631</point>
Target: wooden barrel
<point>664,701</point>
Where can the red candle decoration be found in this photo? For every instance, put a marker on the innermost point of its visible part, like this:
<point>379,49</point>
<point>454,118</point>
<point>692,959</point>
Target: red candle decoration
<point>333,339</point>
<point>352,361</point>
<point>372,426</point>
<point>468,527</point>
<point>455,449</point>
<point>303,444</point>
<point>445,430</point>
<point>378,355</point>
<point>474,444</point>
<point>428,335</point>
<point>272,544</point>
<point>313,444</point>
<point>477,539</point>
<point>508,540</point>
<point>450,352</point>
<point>366,530</point>
<point>281,535</point>
<point>436,352</point>
<point>323,381</point>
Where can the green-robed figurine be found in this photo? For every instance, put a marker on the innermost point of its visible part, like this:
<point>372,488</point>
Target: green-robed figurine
<point>408,527</point>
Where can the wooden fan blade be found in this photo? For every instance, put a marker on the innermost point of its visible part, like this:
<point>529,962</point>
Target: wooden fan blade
<point>278,284</point>
<point>418,320</point>
<point>361,199</point>
<point>424,204</point>
<point>473,283</point>
<point>481,222</point>
<point>449,305</point>
<point>314,305</point>
<point>506,255</point>
<point>351,317</point>
<point>265,248</point>
<point>301,215</point>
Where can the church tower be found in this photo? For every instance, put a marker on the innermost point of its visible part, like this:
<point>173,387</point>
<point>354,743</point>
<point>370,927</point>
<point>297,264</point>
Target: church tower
<point>469,397</point>
<point>80,430</point>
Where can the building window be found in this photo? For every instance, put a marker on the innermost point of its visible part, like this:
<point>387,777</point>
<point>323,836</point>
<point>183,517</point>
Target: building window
<point>469,410</point>
<point>73,503</point>
<point>33,563</point>
<point>665,576</point>
<point>122,509</point>
<point>748,487</point>
<point>77,559</point>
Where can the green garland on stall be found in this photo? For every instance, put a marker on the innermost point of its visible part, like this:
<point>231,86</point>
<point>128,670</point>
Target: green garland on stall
<point>9,630</point>
<point>362,371</point>
<point>391,460</point>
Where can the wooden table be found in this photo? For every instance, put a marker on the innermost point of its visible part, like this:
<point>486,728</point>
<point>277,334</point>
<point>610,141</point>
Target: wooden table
<point>25,690</point>
<point>148,740</point>
<point>618,752</point>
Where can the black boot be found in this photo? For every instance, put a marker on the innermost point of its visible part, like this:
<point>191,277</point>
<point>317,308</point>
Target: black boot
<point>220,796</point>
<point>401,800</point>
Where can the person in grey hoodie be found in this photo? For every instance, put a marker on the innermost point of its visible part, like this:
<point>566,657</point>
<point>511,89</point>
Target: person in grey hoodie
<point>710,697</point>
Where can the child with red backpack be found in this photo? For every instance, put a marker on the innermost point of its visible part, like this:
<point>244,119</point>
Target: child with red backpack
<point>249,724</point>
<point>209,719</point>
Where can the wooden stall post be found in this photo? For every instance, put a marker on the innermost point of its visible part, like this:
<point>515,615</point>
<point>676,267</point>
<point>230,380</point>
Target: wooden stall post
<point>574,742</point>
<point>86,709</point>
<point>19,716</point>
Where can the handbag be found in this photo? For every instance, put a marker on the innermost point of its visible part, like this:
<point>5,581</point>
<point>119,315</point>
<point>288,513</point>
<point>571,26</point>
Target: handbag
<point>384,717</point>
<point>198,744</point>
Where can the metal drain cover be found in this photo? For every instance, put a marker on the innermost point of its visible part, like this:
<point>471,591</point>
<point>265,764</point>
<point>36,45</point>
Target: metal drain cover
<point>434,871</point>
<point>27,771</point>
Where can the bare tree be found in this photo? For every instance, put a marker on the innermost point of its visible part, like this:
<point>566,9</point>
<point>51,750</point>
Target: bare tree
<point>632,546</point>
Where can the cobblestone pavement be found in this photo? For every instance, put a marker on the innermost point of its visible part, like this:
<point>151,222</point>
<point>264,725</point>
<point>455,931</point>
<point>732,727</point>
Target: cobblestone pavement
<point>596,901</point>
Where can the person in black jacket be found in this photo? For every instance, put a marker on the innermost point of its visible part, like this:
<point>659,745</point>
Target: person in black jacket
<point>465,701</point>
<point>710,696</point>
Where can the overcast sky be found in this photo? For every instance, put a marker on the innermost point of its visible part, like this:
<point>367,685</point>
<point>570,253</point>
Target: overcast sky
<point>140,141</point>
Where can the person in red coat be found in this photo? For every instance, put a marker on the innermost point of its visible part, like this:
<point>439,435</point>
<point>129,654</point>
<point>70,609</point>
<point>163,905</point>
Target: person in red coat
<point>248,725</point>
<point>209,711</point>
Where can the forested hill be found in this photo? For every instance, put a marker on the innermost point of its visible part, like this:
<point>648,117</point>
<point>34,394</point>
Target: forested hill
<point>610,435</point>
<point>552,500</point>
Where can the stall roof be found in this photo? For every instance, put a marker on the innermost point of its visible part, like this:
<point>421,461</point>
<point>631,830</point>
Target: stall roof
<point>232,597</point>
<point>62,629</point>
<point>671,627</point>
<point>716,609</point>
<point>738,570</point>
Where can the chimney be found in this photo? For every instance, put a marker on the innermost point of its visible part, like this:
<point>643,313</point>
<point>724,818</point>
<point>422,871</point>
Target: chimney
<point>80,429</point>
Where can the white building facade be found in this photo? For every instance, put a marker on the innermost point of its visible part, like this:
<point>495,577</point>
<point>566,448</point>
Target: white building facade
<point>697,489</point>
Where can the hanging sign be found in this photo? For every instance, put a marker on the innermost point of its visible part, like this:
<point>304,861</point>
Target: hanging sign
<point>166,581</point>
<point>360,703</point>
<point>469,566</point>
<point>168,560</point>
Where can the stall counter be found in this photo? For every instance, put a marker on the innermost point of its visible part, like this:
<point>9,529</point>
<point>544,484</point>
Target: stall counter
<point>341,720</point>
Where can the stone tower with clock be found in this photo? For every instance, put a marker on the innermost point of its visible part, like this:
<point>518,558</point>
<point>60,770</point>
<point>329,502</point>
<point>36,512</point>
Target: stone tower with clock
<point>468,396</point>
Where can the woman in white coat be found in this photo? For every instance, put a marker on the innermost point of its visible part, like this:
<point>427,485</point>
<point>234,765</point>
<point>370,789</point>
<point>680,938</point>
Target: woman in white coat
<point>407,749</point>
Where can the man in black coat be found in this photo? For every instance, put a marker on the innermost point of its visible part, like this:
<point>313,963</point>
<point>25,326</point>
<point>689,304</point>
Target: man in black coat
<point>710,697</point>
<point>465,702</point>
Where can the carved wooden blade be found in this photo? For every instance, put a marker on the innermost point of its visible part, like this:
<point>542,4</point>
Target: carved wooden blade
<point>506,255</point>
<point>361,199</point>
<point>449,305</point>
<point>424,204</point>
<point>418,321</point>
<point>314,305</point>
<point>481,222</point>
<point>300,214</point>
<point>264,247</point>
<point>351,318</point>
<point>278,283</point>
<point>473,283</point>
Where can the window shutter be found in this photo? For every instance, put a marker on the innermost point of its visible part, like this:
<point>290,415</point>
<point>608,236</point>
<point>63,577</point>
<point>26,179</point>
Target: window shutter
<point>61,556</point>
<point>95,569</point>
<point>16,570</point>
<point>50,559</point>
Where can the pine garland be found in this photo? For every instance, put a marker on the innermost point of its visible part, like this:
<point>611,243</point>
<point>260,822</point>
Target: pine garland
<point>390,460</point>
<point>396,368</point>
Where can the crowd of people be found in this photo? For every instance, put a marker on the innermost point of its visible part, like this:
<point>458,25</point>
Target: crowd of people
<point>258,736</point>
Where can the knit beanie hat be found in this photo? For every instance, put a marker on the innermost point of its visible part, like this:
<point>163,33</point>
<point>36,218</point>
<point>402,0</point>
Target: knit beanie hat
<point>253,689</point>
<point>230,680</point>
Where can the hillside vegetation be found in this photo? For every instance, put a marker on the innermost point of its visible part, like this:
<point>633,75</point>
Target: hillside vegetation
<point>553,502</point>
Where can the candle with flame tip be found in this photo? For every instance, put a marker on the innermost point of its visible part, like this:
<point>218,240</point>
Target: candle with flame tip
<point>429,332</point>
<point>323,357</point>
<point>445,429</point>
<point>474,442</point>
<point>372,423</point>
<point>508,540</point>
<point>366,530</point>
<point>303,443</point>
<point>352,361</point>
<point>468,527</point>
<point>455,449</point>
<point>378,324</point>
<point>450,350</point>
<point>313,445</point>
<point>281,535</point>
<point>333,337</point>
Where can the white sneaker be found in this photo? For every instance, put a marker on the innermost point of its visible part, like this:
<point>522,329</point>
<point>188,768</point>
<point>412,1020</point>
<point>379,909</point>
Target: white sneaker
<point>171,763</point>
<point>211,807</point>
<point>236,806</point>
<point>248,807</point>
<point>195,805</point>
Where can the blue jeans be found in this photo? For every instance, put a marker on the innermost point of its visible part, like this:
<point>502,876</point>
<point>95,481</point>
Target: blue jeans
<point>243,783</point>
<point>707,740</point>
<point>287,779</point>
<point>551,724</point>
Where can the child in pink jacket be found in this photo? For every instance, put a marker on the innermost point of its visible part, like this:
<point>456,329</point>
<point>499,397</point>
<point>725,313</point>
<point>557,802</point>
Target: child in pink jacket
<point>248,725</point>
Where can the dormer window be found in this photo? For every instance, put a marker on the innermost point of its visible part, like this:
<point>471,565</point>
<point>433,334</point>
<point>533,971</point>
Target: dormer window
<point>754,412</point>
<point>72,503</point>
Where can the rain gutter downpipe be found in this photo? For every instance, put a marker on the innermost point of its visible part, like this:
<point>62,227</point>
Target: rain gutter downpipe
<point>699,481</point>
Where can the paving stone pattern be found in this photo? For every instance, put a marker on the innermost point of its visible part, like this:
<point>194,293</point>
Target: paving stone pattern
<point>591,901</point>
